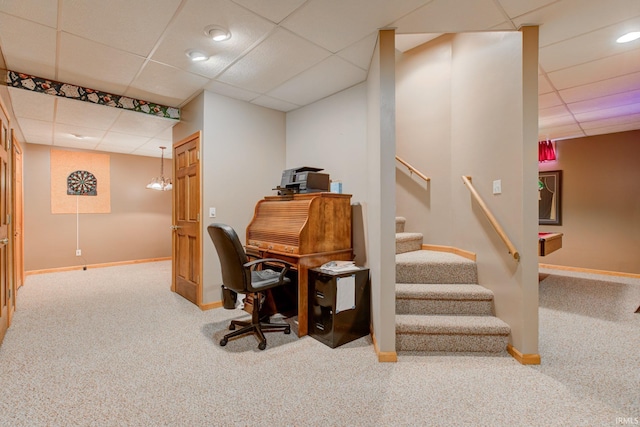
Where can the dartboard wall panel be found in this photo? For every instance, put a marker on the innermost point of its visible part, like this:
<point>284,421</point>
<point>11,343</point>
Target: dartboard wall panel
<point>76,175</point>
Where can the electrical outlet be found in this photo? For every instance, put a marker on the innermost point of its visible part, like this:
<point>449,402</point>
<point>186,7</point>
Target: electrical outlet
<point>78,252</point>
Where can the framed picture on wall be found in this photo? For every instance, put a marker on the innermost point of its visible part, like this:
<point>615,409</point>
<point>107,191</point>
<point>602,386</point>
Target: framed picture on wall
<point>549,198</point>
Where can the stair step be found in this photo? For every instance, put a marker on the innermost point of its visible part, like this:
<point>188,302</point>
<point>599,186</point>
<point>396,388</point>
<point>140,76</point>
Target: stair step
<point>400,223</point>
<point>451,333</point>
<point>429,299</point>
<point>408,242</point>
<point>426,266</point>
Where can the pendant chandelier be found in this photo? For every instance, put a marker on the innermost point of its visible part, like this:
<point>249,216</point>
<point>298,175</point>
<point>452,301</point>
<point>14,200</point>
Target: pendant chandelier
<point>160,183</point>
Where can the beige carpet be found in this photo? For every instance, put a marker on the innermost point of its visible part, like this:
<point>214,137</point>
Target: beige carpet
<point>114,347</point>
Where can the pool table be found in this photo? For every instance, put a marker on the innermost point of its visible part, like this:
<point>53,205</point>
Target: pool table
<point>549,242</point>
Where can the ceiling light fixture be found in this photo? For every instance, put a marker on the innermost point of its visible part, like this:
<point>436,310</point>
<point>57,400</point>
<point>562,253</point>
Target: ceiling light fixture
<point>629,37</point>
<point>161,183</point>
<point>217,33</point>
<point>196,56</point>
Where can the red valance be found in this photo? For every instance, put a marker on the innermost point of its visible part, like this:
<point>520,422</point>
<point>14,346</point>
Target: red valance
<point>546,151</point>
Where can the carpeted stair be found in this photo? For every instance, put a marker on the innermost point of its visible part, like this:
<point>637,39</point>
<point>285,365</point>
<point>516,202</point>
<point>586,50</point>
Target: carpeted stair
<point>439,305</point>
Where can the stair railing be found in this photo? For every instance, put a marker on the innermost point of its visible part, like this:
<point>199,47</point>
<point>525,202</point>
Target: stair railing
<point>512,249</point>
<point>413,170</point>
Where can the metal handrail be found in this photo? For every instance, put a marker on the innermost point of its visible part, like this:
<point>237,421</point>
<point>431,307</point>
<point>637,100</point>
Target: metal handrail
<point>512,249</point>
<point>413,170</point>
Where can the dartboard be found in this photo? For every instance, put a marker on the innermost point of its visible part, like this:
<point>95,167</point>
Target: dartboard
<point>82,183</point>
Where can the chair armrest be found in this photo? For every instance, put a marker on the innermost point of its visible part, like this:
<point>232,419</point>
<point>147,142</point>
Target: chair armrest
<point>287,265</point>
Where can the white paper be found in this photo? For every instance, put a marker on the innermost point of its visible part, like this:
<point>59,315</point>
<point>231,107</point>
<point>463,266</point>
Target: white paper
<point>345,293</point>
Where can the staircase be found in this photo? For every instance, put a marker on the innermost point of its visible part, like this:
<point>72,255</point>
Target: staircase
<point>439,305</point>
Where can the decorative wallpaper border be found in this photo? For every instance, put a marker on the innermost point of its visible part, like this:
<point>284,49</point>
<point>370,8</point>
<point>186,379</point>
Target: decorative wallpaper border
<point>66,90</point>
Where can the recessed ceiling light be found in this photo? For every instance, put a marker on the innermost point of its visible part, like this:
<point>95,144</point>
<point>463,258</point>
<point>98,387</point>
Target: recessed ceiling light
<point>629,37</point>
<point>217,33</point>
<point>196,56</point>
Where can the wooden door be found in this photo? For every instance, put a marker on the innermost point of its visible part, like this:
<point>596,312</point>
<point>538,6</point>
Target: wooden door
<point>18,214</point>
<point>186,219</point>
<point>6,291</point>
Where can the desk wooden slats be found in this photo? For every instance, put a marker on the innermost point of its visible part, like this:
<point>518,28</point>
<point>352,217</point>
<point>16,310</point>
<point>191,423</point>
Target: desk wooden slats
<point>302,223</point>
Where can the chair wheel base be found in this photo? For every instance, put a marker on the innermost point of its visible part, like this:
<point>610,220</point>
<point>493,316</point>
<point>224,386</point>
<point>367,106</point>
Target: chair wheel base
<point>223,342</point>
<point>262,345</point>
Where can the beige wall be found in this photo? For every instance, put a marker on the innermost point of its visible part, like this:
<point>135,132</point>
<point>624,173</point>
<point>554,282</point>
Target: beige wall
<point>242,158</point>
<point>137,227</point>
<point>331,134</point>
<point>600,202</point>
<point>465,106</point>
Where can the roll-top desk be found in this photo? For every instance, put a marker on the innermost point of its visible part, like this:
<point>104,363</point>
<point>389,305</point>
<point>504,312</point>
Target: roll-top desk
<point>306,230</point>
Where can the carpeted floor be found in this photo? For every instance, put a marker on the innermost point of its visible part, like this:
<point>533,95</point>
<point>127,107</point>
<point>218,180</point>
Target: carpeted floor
<point>114,347</point>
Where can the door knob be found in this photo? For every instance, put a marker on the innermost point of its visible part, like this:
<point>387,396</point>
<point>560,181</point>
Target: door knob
<point>174,227</point>
<point>4,241</point>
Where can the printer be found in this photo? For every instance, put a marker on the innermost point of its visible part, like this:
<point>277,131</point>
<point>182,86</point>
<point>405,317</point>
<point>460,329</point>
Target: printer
<point>304,179</point>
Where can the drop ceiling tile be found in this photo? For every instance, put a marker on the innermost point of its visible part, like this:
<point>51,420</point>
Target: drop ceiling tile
<point>281,56</point>
<point>274,104</point>
<point>329,76</point>
<point>602,88</point>
<point>43,12</point>
<point>569,18</point>
<point>611,101</point>
<point>601,69</point>
<point>32,105</point>
<point>451,16</point>
<point>611,129</point>
<point>124,143</point>
<point>186,32</point>
<point>230,91</point>
<point>37,131</point>
<point>165,85</point>
<point>77,144</point>
<point>543,85</point>
<point>141,124</point>
<point>71,111</point>
<point>587,47</point>
<point>96,66</point>
<point>361,52</point>
<point>628,120</point>
<point>561,132</point>
<point>28,47</point>
<point>555,116</point>
<point>607,113</point>
<point>405,42</point>
<point>549,100</point>
<point>336,24</point>
<point>131,26</point>
<point>152,149</point>
<point>65,134</point>
<point>273,11</point>
<point>516,8</point>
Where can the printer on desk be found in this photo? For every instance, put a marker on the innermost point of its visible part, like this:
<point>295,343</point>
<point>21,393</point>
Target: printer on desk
<point>303,180</point>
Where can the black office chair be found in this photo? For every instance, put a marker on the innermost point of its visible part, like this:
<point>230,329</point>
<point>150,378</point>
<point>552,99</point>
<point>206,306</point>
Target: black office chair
<point>241,276</point>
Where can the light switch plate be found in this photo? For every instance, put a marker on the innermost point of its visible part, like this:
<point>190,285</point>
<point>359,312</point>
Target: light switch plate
<point>497,186</point>
<point>212,212</point>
